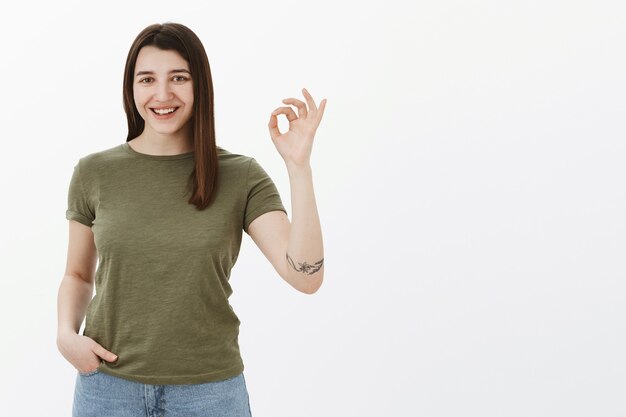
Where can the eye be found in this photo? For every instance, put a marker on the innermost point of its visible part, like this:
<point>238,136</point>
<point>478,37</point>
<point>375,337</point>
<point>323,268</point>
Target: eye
<point>174,77</point>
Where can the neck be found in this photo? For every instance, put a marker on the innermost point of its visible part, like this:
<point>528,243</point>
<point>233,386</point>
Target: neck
<point>156,143</point>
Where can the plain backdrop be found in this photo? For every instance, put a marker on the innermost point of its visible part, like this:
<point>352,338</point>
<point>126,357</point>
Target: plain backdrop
<point>469,174</point>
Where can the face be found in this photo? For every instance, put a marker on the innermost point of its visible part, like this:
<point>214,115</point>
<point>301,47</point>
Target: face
<point>162,81</point>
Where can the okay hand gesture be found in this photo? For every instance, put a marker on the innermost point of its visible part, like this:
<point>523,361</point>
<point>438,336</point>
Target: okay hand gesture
<point>295,145</point>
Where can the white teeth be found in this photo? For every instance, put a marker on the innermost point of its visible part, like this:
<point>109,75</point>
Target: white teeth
<point>164,111</point>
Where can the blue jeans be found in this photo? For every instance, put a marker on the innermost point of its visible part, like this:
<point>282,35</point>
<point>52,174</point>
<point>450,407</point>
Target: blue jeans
<point>98,394</point>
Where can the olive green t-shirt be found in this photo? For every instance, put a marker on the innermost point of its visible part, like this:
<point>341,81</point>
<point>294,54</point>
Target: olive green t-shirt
<point>162,287</point>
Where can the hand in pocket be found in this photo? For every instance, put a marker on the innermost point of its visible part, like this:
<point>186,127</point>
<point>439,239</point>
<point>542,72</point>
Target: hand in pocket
<point>83,352</point>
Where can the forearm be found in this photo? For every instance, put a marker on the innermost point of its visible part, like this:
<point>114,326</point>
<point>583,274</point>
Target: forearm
<point>73,298</point>
<point>305,251</point>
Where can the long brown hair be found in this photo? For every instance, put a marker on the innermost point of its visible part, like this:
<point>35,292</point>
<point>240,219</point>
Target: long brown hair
<point>175,36</point>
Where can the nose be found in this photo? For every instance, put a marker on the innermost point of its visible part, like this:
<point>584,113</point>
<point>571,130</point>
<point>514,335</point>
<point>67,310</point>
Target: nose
<point>163,92</point>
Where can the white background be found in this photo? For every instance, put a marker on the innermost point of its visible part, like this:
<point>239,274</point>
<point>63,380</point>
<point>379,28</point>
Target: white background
<point>469,174</point>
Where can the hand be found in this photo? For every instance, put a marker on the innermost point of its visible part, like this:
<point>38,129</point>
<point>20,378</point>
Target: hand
<point>83,352</point>
<point>295,145</point>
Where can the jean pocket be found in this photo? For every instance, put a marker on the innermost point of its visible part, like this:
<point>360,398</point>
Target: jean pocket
<point>88,373</point>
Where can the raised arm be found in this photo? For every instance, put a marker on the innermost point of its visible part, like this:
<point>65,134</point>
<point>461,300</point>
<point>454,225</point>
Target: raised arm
<point>295,249</point>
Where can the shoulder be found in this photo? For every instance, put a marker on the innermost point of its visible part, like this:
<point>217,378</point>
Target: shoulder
<point>232,158</point>
<point>95,159</point>
<point>241,168</point>
<point>92,165</point>
<point>234,163</point>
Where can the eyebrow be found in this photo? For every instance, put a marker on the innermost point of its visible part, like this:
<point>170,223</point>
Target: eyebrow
<point>171,72</point>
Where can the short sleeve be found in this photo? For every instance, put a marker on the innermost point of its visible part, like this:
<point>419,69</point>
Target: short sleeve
<point>262,194</point>
<point>78,206</point>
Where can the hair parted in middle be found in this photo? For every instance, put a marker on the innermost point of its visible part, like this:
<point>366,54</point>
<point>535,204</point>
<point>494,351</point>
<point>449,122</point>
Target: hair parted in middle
<point>175,36</point>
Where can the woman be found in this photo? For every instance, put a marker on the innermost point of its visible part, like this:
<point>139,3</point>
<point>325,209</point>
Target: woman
<point>163,213</point>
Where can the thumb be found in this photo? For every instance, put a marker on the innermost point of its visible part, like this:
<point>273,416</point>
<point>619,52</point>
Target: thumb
<point>105,354</point>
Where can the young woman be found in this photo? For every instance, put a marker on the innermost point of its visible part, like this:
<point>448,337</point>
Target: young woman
<point>163,213</point>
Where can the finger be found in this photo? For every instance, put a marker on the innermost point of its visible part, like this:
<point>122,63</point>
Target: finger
<point>273,126</point>
<point>302,110</point>
<point>287,111</point>
<point>273,123</point>
<point>105,354</point>
<point>322,107</point>
<point>309,100</point>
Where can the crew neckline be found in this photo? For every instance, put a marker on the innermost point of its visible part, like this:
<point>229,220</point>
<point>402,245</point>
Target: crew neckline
<point>131,151</point>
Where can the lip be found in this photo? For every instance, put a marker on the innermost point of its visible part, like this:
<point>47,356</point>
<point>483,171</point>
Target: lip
<point>165,116</point>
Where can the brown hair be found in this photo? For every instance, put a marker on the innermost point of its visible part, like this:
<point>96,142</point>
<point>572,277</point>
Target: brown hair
<point>174,36</point>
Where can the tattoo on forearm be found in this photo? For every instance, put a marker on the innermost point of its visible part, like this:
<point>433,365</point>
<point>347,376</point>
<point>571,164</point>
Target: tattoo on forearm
<point>305,267</point>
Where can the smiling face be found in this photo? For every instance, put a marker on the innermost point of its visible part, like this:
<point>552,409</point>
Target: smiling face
<point>162,81</point>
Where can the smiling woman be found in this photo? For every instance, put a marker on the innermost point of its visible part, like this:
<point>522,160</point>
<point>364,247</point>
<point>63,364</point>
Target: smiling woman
<point>164,214</point>
<point>163,95</point>
<point>167,68</point>
<point>161,91</point>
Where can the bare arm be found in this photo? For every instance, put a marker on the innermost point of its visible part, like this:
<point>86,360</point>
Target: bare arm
<point>294,249</point>
<point>75,293</point>
<point>76,289</point>
<point>305,250</point>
